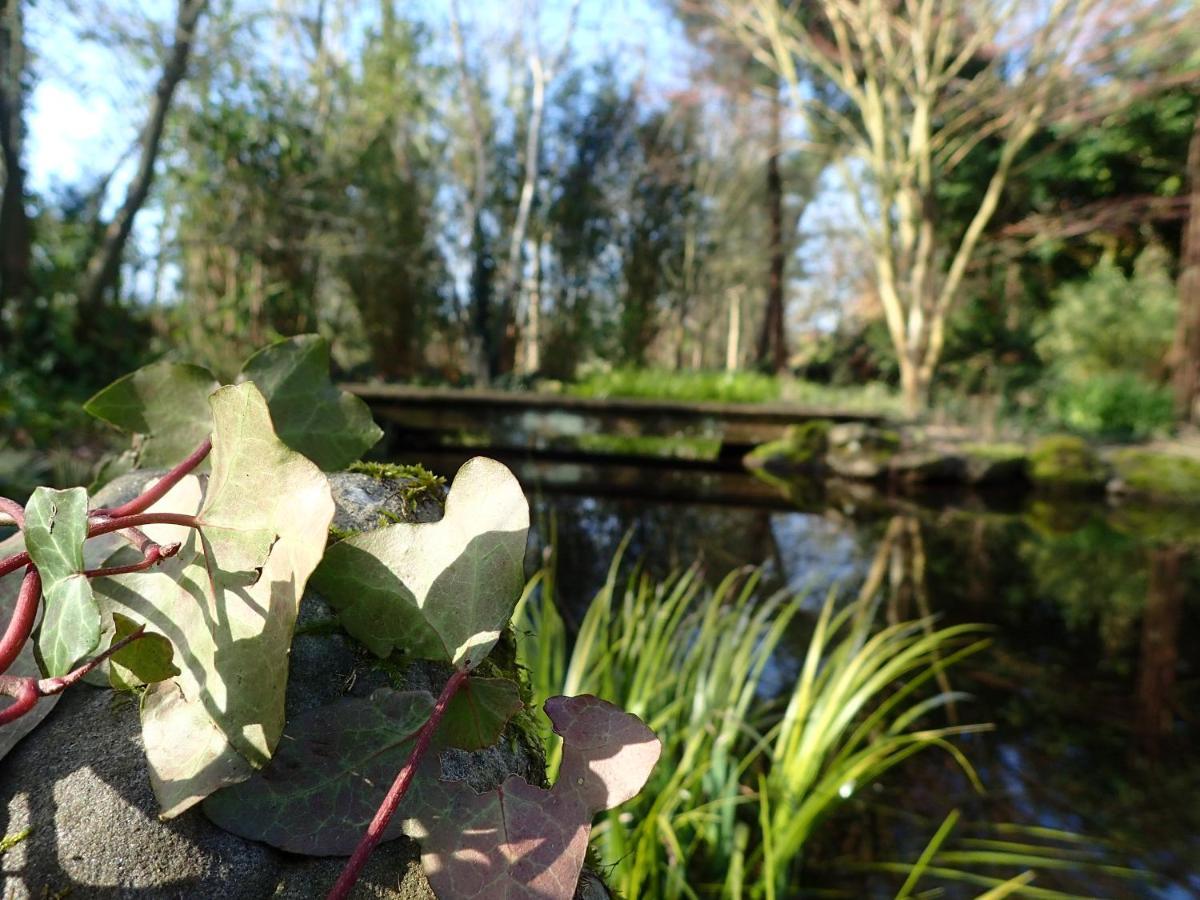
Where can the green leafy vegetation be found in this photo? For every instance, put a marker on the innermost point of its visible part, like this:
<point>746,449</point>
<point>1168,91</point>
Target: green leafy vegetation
<point>742,785</point>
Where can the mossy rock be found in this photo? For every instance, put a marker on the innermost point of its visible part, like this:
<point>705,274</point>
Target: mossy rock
<point>994,463</point>
<point>1065,463</point>
<point>1155,475</point>
<point>801,449</point>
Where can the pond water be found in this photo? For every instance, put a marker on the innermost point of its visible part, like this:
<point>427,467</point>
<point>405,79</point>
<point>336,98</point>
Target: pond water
<point>1091,681</point>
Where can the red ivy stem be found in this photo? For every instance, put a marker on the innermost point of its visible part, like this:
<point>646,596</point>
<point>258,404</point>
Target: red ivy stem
<point>14,562</point>
<point>48,686</point>
<point>159,489</point>
<point>106,526</point>
<point>154,554</point>
<point>27,691</point>
<point>396,793</point>
<point>25,694</point>
<point>13,510</point>
<point>20,626</point>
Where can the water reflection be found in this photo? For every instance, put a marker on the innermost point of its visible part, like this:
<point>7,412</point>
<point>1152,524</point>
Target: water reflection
<point>1091,681</point>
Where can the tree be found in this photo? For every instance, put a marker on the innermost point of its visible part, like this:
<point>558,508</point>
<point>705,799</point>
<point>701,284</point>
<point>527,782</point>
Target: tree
<point>916,86</point>
<point>15,231</point>
<point>102,268</point>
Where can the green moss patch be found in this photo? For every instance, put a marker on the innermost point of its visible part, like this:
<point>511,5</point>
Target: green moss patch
<point>802,446</point>
<point>1065,462</point>
<point>1158,475</point>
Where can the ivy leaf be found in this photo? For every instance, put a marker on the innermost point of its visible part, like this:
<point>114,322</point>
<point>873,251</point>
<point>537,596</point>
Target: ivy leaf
<point>95,552</point>
<point>145,661</point>
<point>442,590</point>
<point>55,529</point>
<point>478,713</point>
<point>331,427</point>
<point>165,404</point>
<point>522,842</point>
<point>335,764</point>
<point>265,505</point>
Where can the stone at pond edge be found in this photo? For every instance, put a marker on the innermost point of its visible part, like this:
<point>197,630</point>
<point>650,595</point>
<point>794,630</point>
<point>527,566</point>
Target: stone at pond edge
<point>80,783</point>
<point>1155,475</point>
<point>801,449</point>
<point>1065,463</point>
<point>990,464</point>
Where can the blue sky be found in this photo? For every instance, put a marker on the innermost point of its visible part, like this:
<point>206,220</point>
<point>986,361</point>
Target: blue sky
<point>85,109</point>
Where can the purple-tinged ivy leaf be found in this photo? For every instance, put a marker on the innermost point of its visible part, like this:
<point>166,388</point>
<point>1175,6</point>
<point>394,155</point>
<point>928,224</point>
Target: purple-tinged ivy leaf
<point>521,842</point>
<point>333,766</point>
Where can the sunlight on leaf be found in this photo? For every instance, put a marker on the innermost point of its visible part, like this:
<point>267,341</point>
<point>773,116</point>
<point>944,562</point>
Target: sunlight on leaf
<point>443,590</point>
<point>223,714</point>
<point>521,842</point>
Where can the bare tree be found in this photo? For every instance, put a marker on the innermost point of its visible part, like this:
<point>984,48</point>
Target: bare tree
<point>103,266</point>
<point>542,72</point>
<point>15,229</point>
<point>919,84</point>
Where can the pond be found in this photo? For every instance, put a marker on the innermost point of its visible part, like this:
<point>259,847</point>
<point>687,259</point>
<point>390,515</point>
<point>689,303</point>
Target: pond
<point>1091,680</point>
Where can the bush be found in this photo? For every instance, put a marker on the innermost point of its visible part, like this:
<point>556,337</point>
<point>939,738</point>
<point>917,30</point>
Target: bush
<point>1116,404</point>
<point>1110,322</point>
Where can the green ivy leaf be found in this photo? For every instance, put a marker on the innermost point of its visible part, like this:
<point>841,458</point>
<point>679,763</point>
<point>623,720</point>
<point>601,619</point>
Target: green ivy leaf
<point>95,552</point>
<point>442,590</point>
<point>165,404</point>
<point>145,661</point>
<point>331,427</point>
<point>55,530</point>
<point>522,842</point>
<point>335,764</point>
<point>478,713</point>
<point>266,507</point>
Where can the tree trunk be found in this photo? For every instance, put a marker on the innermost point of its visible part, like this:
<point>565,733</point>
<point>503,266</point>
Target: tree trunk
<point>772,346</point>
<point>734,338</point>
<point>914,385</point>
<point>15,232</point>
<point>103,266</point>
<point>1186,352</point>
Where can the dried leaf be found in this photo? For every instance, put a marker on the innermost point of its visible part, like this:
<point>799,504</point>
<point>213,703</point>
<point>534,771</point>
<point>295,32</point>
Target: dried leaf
<point>231,638</point>
<point>442,590</point>
<point>55,530</point>
<point>521,842</point>
<point>331,427</point>
<point>335,764</point>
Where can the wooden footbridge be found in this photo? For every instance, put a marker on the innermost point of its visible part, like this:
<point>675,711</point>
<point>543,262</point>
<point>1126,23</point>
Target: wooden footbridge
<point>556,426</point>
